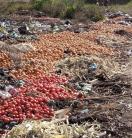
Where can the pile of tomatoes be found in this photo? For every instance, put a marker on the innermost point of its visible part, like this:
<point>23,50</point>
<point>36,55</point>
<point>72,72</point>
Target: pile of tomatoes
<point>32,98</point>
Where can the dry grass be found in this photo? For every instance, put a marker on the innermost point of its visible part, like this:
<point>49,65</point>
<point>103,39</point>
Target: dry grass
<point>125,8</point>
<point>53,129</point>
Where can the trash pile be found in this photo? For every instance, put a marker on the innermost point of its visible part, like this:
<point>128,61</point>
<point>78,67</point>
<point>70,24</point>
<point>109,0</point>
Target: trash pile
<point>120,18</point>
<point>67,83</point>
<point>13,31</point>
<point>85,65</point>
<point>43,54</point>
<point>47,24</point>
<point>89,73</point>
<point>22,30</point>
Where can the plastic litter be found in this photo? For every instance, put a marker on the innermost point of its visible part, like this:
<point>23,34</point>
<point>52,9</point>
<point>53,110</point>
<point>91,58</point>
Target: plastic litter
<point>129,52</point>
<point>93,66</point>
<point>84,111</point>
<point>83,87</point>
<point>5,95</point>
<point>87,87</point>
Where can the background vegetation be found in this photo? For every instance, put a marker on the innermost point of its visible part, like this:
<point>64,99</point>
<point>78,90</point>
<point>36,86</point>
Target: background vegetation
<point>79,9</point>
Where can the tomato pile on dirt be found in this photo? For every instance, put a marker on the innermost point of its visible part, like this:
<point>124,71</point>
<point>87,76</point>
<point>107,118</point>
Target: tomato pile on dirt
<point>32,98</point>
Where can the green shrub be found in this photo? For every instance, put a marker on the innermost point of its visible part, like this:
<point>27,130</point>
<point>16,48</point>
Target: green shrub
<point>14,6</point>
<point>127,8</point>
<point>94,13</point>
<point>38,4</point>
<point>54,8</point>
<point>73,6</point>
<point>70,12</point>
<point>58,8</point>
<point>3,6</point>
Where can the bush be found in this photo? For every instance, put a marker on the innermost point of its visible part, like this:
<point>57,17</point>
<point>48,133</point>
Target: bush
<point>14,6</point>
<point>73,7</point>
<point>58,8</point>
<point>68,9</point>
<point>38,4</point>
<point>70,12</point>
<point>94,13</point>
<point>54,8</point>
<point>3,6</point>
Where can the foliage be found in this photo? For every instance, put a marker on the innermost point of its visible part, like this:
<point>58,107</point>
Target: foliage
<point>70,12</point>
<point>38,4</point>
<point>93,12</point>
<point>127,8</point>
<point>58,8</point>
<point>7,7</point>
<point>3,5</point>
<point>65,8</point>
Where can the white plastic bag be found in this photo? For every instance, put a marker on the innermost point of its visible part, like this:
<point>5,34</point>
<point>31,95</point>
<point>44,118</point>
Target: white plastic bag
<point>4,95</point>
